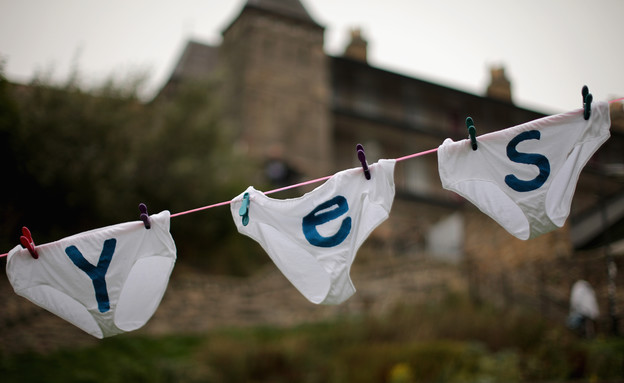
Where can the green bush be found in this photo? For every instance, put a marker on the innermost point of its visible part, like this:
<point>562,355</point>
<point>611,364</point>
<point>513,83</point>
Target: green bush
<point>345,350</point>
<point>81,159</point>
<point>605,359</point>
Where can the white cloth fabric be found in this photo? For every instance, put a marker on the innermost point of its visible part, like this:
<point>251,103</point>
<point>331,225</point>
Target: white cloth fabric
<point>524,177</point>
<point>583,300</point>
<point>313,239</point>
<point>104,281</point>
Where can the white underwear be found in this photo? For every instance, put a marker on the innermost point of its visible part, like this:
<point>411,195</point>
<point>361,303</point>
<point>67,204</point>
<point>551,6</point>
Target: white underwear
<point>104,281</point>
<point>524,177</point>
<point>313,239</point>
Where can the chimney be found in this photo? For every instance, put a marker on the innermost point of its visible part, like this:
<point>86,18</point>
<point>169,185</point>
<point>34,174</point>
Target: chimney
<point>500,87</point>
<point>357,46</point>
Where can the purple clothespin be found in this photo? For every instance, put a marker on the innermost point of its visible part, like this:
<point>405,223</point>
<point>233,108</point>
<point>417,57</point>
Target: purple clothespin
<point>28,243</point>
<point>362,157</point>
<point>144,216</point>
<point>587,100</point>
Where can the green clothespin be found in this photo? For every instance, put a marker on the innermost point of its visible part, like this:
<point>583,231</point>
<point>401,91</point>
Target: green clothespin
<point>472,131</point>
<point>244,209</point>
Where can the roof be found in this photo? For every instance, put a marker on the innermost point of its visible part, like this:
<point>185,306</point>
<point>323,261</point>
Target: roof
<point>292,9</point>
<point>350,76</point>
<point>197,60</point>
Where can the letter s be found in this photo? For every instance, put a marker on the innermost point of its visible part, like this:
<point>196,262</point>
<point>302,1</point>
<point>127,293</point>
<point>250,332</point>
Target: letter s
<point>527,158</point>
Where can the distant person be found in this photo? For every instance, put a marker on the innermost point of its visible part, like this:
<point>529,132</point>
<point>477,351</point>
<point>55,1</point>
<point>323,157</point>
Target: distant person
<point>583,309</point>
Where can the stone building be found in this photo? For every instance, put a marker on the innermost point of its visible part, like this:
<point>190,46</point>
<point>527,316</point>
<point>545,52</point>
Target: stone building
<point>301,111</point>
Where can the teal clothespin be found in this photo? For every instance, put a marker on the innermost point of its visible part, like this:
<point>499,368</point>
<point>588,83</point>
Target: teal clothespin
<point>472,131</point>
<point>244,209</point>
<point>587,100</point>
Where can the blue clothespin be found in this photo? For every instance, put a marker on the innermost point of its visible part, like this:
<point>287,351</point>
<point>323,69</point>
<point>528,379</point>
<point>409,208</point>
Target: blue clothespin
<point>472,131</point>
<point>144,216</point>
<point>244,209</point>
<point>587,100</point>
<point>362,157</point>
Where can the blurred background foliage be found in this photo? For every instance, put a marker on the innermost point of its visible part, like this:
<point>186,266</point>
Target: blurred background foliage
<point>452,340</point>
<point>74,160</point>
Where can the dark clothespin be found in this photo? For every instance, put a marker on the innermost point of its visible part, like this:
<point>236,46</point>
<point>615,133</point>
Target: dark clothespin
<point>28,243</point>
<point>587,100</point>
<point>244,209</point>
<point>472,131</point>
<point>362,157</point>
<point>144,216</point>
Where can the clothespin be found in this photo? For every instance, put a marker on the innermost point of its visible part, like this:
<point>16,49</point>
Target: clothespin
<point>472,131</point>
<point>144,216</point>
<point>28,243</point>
<point>587,100</point>
<point>244,209</point>
<point>362,157</point>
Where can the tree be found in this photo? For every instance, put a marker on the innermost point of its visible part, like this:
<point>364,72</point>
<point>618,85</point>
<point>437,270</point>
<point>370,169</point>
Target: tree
<point>75,160</point>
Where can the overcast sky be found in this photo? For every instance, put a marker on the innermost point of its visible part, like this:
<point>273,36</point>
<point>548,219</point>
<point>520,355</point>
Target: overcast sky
<point>550,48</point>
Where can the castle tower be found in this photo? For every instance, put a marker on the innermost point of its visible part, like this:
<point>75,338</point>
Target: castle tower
<point>278,85</point>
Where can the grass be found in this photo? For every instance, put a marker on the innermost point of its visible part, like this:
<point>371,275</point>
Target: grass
<point>449,341</point>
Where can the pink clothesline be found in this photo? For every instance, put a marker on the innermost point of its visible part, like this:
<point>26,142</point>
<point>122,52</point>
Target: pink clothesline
<point>224,203</point>
<point>319,179</point>
<point>283,188</point>
<point>294,186</point>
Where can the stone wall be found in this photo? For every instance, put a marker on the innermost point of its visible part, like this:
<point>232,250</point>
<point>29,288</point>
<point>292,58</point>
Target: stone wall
<point>196,302</point>
<point>538,273</point>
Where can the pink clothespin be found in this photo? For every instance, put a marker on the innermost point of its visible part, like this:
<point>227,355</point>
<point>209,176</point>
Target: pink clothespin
<point>362,157</point>
<point>28,243</point>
